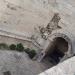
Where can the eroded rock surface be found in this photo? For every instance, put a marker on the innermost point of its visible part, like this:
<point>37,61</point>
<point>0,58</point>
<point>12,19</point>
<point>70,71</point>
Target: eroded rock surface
<point>19,64</point>
<point>65,68</point>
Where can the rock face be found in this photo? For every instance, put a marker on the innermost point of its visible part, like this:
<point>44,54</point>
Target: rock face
<point>65,68</point>
<point>17,63</point>
<point>23,15</point>
<point>19,18</point>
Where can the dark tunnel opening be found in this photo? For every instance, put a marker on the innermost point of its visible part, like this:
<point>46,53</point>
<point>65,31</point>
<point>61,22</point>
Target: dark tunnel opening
<point>57,50</point>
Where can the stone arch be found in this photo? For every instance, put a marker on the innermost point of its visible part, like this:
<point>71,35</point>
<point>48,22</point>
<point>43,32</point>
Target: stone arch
<point>64,36</point>
<point>51,39</point>
<point>66,40</point>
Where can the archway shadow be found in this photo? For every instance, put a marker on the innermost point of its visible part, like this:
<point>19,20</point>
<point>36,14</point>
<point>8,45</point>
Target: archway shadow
<point>57,51</point>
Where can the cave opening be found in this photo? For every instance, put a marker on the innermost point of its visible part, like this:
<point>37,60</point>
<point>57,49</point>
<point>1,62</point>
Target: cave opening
<point>57,50</point>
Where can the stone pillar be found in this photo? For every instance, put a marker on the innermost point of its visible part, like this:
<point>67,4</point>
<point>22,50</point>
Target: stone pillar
<point>41,56</point>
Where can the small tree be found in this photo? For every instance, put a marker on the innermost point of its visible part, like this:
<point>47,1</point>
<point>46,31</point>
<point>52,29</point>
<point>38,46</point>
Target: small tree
<point>20,47</point>
<point>12,47</point>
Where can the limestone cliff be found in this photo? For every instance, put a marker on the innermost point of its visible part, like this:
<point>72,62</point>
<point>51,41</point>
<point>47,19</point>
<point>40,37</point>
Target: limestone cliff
<point>23,15</point>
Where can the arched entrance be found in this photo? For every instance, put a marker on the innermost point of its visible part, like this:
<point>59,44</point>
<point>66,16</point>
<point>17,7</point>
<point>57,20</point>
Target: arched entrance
<point>57,50</point>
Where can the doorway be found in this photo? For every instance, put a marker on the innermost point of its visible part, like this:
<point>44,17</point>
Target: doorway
<point>57,50</point>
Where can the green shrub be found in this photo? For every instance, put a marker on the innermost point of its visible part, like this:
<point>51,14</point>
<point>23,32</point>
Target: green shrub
<point>32,53</point>
<point>27,50</point>
<point>3,46</point>
<point>20,47</point>
<point>12,47</point>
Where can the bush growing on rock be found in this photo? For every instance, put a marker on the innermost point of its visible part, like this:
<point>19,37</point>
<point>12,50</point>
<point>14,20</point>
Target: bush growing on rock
<point>12,47</point>
<point>32,53</point>
<point>20,47</point>
<point>27,50</point>
<point>3,46</point>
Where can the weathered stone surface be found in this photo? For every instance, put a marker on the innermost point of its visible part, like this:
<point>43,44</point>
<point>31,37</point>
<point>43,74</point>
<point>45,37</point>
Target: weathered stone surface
<point>23,15</point>
<point>19,64</point>
<point>65,68</point>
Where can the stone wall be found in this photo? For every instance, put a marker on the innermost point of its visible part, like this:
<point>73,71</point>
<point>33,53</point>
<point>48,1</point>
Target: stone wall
<point>11,40</point>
